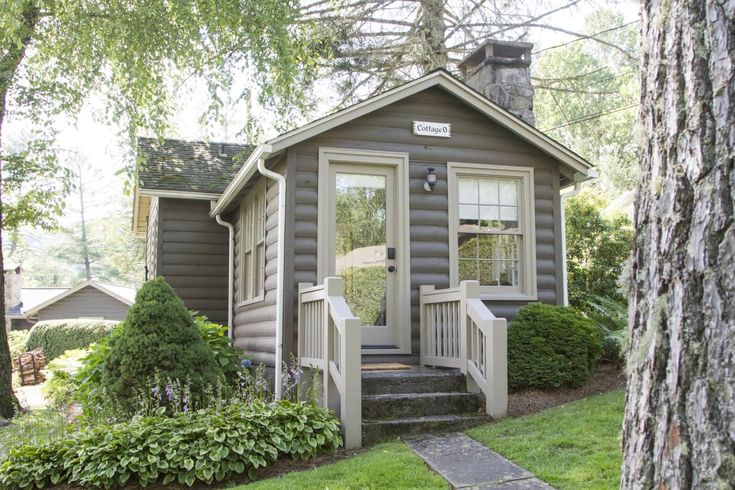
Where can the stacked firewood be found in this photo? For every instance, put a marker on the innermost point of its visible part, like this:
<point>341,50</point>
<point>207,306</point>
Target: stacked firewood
<point>30,365</point>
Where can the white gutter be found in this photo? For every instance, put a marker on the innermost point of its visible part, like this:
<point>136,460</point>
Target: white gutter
<point>578,179</point>
<point>242,177</point>
<point>230,274</point>
<point>280,271</point>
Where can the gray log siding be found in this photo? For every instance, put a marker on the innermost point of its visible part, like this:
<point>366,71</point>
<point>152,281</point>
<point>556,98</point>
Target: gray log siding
<point>255,323</point>
<point>192,255</point>
<point>151,246</point>
<point>87,302</point>
<point>475,139</point>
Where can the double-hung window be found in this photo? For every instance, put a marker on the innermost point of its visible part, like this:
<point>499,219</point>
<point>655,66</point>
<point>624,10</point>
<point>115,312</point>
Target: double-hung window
<point>492,229</point>
<point>252,248</point>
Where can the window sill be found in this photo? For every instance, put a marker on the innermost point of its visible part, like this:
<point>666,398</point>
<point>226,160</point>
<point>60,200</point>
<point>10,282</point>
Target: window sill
<point>499,296</point>
<point>252,301</point>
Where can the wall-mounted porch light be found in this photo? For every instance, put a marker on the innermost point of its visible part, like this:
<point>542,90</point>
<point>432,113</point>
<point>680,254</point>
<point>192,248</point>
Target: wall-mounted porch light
<point>430,180</point>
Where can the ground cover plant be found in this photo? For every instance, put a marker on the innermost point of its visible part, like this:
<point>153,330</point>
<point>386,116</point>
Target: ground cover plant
<point>17,342</point>
<point>58,336</point>
<point>551,347</point>
<point>33,428</point>
<point>203,446</point>
<point>572,447</point>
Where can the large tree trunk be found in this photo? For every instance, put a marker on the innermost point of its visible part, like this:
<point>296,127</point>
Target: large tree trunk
<point>679,429</point>
<point>432,32</point>
<point>9,61</point>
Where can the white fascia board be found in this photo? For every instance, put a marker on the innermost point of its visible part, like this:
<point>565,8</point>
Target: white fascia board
<point>73,290</point>
<point>242,177</point>
<point>440,78</point>
<point>203,196</point>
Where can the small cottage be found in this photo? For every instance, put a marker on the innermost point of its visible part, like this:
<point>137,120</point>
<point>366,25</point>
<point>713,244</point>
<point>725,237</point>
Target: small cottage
<point>414,223</point>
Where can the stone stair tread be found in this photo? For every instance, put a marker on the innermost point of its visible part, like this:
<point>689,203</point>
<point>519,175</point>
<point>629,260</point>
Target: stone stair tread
<point>428,418</point>
<point>411,396</point>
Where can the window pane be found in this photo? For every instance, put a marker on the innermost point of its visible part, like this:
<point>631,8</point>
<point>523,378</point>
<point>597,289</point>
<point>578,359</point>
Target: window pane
<point>509,217</point>
<point>468,217</point>
<point>467,190</point>
<point>468,270</point>
<point>488,191</point>
<point>509,192</point>
<point>467,246</point>
<point>489,218</point>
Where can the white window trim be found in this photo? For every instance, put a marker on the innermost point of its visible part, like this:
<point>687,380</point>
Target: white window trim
<point>258,189</point>
<point>529,287</point>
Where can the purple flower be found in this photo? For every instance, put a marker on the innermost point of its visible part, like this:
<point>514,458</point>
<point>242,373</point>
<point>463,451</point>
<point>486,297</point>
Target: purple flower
<point>169,392</point>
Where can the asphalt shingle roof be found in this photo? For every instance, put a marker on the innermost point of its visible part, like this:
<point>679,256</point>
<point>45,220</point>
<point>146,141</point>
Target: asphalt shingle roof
<point>191,166</point>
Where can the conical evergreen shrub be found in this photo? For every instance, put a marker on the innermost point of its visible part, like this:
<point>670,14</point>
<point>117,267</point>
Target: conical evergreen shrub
<point>158,336</point>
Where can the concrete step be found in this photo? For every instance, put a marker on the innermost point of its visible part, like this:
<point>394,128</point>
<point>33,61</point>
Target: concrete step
<point>379,430</point>
<point>416,380</point>
<point>402,405</point>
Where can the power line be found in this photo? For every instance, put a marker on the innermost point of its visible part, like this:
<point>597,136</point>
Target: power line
<point>591,117</point>
<point>590,36</point>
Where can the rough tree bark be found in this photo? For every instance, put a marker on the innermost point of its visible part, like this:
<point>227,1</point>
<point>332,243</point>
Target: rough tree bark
<point>679,429</point>
<point>10,58</point>
<point>432,30</point>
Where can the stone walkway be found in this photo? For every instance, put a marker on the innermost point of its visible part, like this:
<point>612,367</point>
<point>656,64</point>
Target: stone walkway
<point>467,464</point>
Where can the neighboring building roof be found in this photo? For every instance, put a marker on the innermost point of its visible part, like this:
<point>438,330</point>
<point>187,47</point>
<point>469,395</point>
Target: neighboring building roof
<point>188,166</point>
<point>123,294</point>
<point>437,78</point>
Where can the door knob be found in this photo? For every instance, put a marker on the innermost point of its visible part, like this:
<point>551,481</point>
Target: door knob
<point>391,268</point>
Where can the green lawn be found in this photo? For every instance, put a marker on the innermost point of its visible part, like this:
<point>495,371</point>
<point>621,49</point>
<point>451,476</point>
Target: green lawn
<point>390,465</point>
<point>574,446</point>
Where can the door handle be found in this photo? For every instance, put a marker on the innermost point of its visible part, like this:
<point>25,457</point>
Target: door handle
<point>391,268</point>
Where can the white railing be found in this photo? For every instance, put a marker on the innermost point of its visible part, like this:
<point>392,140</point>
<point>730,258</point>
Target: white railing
<point>459,331</point>
<point>330,340</point>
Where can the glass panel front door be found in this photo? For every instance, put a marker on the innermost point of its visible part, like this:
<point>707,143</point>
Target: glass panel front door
<point>362,234</point>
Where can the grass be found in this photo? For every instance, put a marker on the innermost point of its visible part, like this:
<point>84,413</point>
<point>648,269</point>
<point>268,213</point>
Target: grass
<point>389,465</point>
<point>573,446</point>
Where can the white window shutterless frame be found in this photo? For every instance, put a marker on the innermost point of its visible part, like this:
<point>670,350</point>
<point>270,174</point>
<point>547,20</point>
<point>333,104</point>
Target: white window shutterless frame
<point>492,235</point>
<point>252,246</point>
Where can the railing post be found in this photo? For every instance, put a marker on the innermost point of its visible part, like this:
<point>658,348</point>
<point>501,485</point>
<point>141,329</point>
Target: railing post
<point>350,367</point>
<point>300,320</point>
<point>496,362</point>
<point>467,290</point>
<point>423,327</point>
<point>332,286</point>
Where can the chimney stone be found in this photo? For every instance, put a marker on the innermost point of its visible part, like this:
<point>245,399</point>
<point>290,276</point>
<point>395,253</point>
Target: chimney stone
<point>500,70</point>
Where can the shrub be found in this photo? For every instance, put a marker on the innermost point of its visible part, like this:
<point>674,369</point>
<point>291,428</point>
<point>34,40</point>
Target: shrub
<point>204,446</point>
<point>551,347</point>
<point>62,385</point>
<point>58,336</point>
<point>227,357</point>
<point>17,342</point>
<point>158,334</point>
<point>612,319</point>
<point>597,248</point>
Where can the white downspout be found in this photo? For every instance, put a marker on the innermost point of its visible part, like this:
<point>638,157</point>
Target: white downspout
<point>577,187</point>
<point>281,261</point>
<point>230,274</point>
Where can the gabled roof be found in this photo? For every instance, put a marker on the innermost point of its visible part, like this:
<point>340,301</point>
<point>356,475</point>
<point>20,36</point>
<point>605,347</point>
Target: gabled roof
<point>188,166</point>
<point>122,294</point>
<point>437,78</point>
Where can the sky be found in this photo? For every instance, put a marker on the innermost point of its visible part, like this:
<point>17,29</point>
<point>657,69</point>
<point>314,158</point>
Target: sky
<point>106,150</point>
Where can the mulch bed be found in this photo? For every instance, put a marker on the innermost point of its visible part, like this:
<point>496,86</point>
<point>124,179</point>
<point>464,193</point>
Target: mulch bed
<point>606,378</point>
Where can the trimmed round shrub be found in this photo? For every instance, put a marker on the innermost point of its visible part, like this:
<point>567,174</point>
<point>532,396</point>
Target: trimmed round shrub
<point>58,336</point>
<point>158,337</point>
<point>551,347</point>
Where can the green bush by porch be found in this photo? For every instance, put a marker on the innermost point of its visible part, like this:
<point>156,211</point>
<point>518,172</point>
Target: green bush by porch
<point>551,347</point>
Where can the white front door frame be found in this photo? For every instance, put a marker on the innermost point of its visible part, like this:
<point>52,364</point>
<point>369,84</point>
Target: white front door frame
<point>329,156</point>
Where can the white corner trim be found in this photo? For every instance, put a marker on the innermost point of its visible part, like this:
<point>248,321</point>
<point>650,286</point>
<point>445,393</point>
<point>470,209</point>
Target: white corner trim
<point>528,291</point>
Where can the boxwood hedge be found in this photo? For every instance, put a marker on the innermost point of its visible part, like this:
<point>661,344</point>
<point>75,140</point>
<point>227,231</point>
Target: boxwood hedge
<point>204,446</point>
<point>551,347</point>
<point>59,336</point>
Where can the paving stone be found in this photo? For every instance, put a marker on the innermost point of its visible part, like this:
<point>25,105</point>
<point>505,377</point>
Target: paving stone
<point>465,463</point>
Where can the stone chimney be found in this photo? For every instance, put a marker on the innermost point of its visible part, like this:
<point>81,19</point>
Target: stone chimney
<point>13,285</point>
<point>501,71</point>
